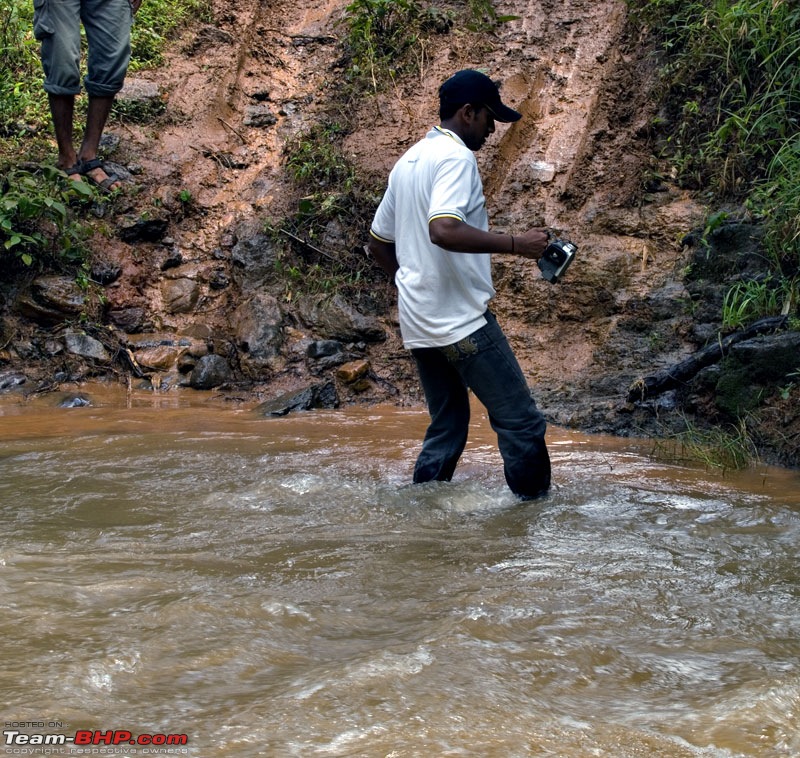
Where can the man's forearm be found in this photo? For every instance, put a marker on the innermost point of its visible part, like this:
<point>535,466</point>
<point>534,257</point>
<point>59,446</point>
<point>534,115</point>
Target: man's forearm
<point>459,237</point>
<point>384,254</point>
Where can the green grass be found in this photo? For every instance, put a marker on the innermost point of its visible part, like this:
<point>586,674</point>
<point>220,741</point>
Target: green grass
<point>156,22</point>
<point>730,82</point>
<point>726,448</point>
<point>385,39</point>
<point>748,301</point>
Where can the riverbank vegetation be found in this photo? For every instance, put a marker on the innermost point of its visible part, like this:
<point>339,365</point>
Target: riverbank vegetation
<point>730,125</point>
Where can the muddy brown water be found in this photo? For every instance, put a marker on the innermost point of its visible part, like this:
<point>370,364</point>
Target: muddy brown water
<point>274,587</point>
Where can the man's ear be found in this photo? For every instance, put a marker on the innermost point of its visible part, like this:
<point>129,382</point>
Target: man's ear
<point>467,112</point>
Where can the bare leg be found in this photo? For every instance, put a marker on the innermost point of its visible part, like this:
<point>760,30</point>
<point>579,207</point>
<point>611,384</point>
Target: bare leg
<point>62,109</point>
<point>96,117</point>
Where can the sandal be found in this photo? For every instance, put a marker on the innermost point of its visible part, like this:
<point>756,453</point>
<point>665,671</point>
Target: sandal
<point>105,184</point>
<point>75,170</point>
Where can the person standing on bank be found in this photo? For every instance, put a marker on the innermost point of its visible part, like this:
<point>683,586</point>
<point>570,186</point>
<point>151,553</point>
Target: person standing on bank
<point>430,234</point>
<point>107,23</point>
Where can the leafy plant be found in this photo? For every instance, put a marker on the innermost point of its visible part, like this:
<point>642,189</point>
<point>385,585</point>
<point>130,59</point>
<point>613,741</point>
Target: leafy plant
<point>22,100</point>
<point>315,160</point>
<point>484,17</point>
<point>35,220</point>
<point>777,199</point>
<point>731,75</point>
<point>731,87</point>
<point>379,34</point>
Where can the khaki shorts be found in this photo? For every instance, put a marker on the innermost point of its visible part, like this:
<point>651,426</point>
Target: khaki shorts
<point>107,23</point>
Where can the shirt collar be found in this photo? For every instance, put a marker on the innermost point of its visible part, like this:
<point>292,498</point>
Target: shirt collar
<point>449,133</point>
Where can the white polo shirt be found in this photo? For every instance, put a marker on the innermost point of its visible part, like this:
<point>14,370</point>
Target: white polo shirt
<point>442,295</point>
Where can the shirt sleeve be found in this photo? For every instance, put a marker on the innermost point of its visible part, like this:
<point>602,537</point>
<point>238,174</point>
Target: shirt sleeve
<point>383,225</point>
<point>451,192</point>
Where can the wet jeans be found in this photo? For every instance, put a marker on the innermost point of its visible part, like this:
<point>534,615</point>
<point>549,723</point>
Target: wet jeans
<point>485,364</point>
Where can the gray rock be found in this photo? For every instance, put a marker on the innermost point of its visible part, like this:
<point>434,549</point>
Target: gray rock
<point>259,115</point>
<point>308,398</point>
<point>130,319</point>
<point>51,299</point>
<point>75,401</point>
<point>336,319</point>
<point>11,379</point>
<point>210,371</point>
<point>180,295</point>
<point>324,348</point>
<point>139,100</point>
<point>85,346</point>
<point>259,327</point>
<point>253,256</point>
<point>142,230</point>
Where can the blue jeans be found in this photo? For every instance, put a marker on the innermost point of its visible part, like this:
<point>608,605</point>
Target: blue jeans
<point>484,363</point>
<point>107,23</point>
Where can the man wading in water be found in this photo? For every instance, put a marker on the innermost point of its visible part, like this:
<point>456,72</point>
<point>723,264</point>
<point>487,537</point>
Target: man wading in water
<point>430,234</point>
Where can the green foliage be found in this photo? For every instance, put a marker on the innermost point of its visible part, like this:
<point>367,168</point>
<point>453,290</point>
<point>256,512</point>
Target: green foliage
<point>726,448</point>
<point>315,160</point>
<point>386,37</point>
<point>333,214</point>
<point>731,76</point>
<point>21,98</point>
<point>379,35</point>
<point>23,102</point>
<point>748,301</point>
<point>484,18</point>
<point>156,21</point>
<point>777,199</point>
<point>36,225</point>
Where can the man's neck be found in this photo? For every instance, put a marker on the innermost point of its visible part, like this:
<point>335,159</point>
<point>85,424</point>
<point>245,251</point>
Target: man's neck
<point>452,125</point>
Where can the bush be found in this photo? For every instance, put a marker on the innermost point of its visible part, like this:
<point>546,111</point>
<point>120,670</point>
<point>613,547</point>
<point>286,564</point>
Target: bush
<point>732,85</point>
<point>732,97</point>
<point>22,100</point>
<point>36,225</point>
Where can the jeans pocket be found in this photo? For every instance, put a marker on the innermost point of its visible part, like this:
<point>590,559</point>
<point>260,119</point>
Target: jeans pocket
<point>42,22</point>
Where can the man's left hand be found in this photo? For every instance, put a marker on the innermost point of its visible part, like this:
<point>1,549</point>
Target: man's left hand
<point>531,244</point>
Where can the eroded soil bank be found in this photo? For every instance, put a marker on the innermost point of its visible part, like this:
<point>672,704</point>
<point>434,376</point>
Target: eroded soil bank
<point>194,290</point>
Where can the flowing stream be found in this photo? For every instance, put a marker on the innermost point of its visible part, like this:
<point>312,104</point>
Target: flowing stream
<point>274,587</point>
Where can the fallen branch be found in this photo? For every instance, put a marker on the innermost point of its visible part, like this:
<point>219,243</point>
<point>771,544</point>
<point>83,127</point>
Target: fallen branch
<point>307,244</point>
<point>682,372</point>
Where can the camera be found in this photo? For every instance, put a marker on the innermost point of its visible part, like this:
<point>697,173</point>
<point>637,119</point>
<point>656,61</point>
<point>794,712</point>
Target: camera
<point>556,259</point>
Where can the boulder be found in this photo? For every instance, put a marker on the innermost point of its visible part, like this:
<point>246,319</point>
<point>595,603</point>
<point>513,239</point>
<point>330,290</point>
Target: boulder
<point>335,319</point>
<point>85,346</point>
<point>51,299</point>
<point>180,295</point>
<point>253,256</point>
<point>259,327</point>
<point>305,399</point>
<point>210,371</point>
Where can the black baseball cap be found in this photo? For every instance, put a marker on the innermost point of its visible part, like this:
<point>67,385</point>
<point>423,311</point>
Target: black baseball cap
<point>470,86</point>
